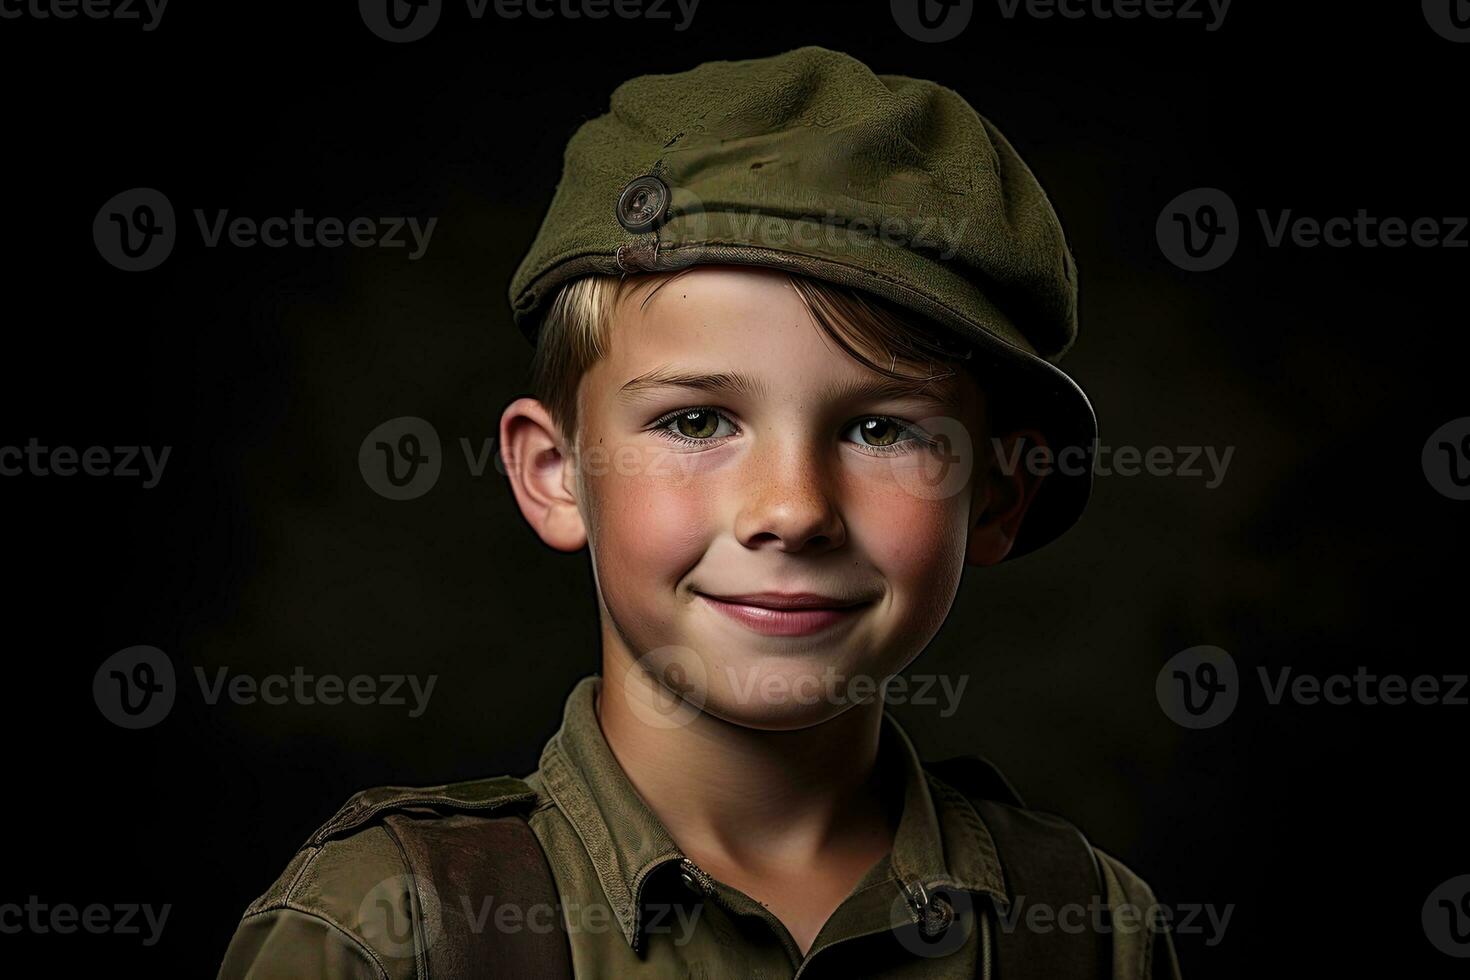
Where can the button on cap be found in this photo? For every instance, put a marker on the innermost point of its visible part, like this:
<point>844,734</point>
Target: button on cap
<point>644,204</point>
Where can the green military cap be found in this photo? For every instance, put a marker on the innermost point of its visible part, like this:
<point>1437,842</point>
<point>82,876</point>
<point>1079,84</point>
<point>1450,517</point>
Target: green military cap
<point>809,162</point>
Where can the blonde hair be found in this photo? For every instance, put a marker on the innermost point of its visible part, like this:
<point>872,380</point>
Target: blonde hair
<point>576,330</point>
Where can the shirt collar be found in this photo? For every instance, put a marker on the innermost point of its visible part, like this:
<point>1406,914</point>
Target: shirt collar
<point>941,842</point>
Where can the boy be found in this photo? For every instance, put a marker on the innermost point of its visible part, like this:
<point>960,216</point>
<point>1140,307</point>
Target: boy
<point>792,326</point>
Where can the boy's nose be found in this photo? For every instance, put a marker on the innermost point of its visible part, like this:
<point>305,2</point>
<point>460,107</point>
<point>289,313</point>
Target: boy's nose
<point>789,503</point>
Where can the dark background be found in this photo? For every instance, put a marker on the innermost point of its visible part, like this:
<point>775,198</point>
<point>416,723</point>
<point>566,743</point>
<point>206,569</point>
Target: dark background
<point>1325,548</point>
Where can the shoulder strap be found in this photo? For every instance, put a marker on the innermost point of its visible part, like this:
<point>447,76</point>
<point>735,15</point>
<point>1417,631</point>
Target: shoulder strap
<point>1047,862</point>
<point>479,872</point>
<point>497,793</point>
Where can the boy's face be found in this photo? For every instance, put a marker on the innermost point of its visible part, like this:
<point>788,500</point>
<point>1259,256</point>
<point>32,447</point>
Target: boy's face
<point>780,472</point>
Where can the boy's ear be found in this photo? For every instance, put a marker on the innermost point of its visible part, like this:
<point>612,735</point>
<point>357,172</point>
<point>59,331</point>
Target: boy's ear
<point>541,474</point>
<point>1003,492</point>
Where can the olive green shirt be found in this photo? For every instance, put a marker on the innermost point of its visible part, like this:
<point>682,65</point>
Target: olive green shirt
<point>634,906</point>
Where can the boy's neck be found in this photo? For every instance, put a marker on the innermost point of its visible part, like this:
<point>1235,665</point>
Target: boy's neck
<point>737,795</point>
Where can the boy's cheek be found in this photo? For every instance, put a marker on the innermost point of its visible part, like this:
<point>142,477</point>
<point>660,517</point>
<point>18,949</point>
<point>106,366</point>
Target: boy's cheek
<point>910,538</point>
<point>651,466</point>
<point>645,522</point>
<point>918,548</point>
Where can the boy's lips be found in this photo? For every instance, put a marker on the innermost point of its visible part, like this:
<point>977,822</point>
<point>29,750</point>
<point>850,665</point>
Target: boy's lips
<point>786,600</point>
<point>785,613</point>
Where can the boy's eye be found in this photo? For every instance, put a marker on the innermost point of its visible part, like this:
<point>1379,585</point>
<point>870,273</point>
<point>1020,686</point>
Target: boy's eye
<point>880,433</point>
<point>692,425</point>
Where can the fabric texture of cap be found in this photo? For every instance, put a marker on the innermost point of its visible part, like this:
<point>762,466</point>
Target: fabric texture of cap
<point>809,162</point>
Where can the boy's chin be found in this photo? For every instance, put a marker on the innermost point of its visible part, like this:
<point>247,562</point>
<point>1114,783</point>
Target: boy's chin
<point>773,717</point>
<point>672,685</point>
<point>776,696</point>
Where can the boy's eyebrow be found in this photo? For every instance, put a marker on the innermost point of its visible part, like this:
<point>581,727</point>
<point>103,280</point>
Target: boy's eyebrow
<point>941,389</point>
<point>724,382</point>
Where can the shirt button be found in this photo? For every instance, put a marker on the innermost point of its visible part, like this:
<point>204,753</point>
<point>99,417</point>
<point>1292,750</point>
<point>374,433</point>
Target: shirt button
<point>644,204</point>
<point>694,879</point>
<point>937,917</point>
